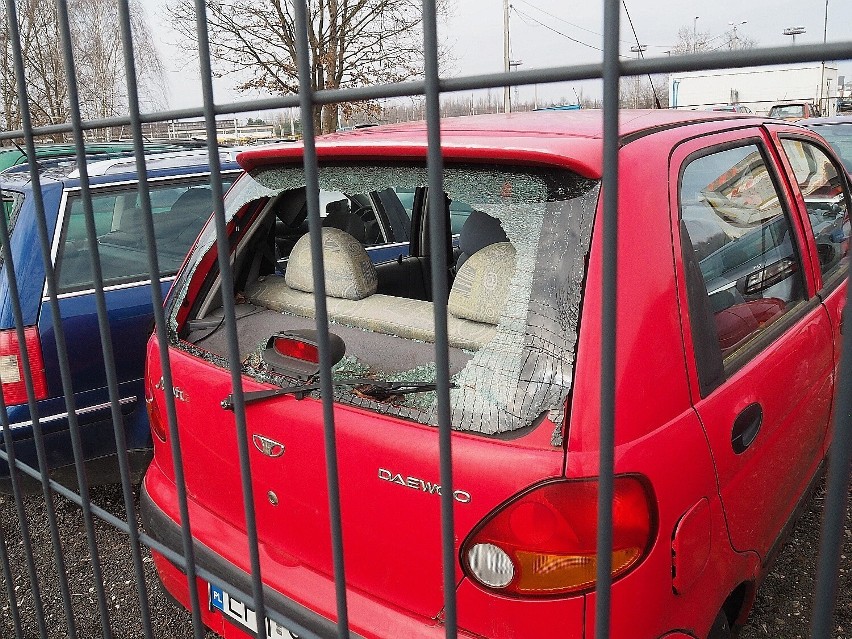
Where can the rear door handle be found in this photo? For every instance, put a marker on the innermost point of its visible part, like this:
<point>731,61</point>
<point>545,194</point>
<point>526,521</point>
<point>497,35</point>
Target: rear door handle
<point>746,426</point>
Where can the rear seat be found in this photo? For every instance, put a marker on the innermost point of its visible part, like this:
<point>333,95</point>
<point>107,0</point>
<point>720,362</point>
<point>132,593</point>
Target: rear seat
<point>475,302</point>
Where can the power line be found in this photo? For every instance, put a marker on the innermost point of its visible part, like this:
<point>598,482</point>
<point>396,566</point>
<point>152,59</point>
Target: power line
<point>640,51</point>
<point>556,31</point>
<point>556,17</point>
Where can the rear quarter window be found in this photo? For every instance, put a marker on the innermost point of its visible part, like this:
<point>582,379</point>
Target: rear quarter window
<point>12,203</point>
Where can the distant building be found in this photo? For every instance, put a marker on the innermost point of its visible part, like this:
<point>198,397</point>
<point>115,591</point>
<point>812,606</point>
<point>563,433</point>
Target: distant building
<point>758,88</point>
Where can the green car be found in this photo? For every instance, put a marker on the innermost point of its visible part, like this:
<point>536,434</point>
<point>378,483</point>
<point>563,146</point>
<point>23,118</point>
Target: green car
<point>15,155</point>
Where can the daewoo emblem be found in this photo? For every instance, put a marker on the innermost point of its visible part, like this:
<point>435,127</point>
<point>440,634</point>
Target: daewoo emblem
<point>268,447</point>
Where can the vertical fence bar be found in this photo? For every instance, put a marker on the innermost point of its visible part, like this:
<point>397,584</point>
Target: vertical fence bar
<point>227,281</point>
<point>440,293</point>
<point>187,547</point>
<point>306,104</point>
<point>24,106</point>
<point>10,586</point>
<point>156,296</point>
<point>22,518</point>
<point>103,322</point>
<point>609,193</point>
<point>112,383</point>
<point>837,496</point>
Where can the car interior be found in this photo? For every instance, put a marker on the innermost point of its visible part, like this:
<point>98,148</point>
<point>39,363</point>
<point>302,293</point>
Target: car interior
<point>366,302</point>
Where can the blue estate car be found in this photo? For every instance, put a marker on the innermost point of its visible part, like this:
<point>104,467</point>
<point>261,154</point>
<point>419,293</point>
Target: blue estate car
<point>181,200</point>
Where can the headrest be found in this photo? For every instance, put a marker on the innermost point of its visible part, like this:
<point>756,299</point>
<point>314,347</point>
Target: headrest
<point>345,220</point>
<point>193,201</point>
<point>349,273</point>
<point>482,284</point>
<point>478,231</point>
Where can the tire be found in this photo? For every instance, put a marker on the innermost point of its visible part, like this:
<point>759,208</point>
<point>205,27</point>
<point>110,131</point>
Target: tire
<point>721,628</point>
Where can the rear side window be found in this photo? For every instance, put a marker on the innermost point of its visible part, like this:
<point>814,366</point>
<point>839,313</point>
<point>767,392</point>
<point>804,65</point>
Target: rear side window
<point>12,203</point>
<point>738,235</point>
<point>179,211</point>
<point>821,184</point>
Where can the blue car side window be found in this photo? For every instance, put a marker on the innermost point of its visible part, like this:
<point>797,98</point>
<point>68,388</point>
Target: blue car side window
<point>179,212</point>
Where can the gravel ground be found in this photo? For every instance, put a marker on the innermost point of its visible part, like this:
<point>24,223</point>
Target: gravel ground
<point>782,609</point>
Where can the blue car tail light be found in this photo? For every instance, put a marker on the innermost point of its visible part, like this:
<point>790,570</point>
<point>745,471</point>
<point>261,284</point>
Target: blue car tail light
<point>11,369</point>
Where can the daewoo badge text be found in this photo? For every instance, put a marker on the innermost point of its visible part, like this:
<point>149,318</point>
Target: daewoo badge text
<point>461,496</point>
<point>177,392</point>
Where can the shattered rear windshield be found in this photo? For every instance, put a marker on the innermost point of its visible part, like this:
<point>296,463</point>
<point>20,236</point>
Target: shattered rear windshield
<point>514,308</point>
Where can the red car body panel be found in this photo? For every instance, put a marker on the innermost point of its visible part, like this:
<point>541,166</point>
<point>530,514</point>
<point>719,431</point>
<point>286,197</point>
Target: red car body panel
<point>374,488</point>
<point>794,393</point>
<point>728,508</point>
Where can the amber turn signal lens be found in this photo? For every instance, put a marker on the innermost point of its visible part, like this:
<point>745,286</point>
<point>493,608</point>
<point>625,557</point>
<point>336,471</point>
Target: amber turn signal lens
<point>543,542</point>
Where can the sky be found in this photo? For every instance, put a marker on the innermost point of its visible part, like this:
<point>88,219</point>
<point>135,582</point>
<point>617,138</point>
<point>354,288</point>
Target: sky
<point>545,33</point>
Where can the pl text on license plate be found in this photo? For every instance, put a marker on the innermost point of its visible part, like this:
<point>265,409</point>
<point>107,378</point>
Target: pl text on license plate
<point>244,616</point>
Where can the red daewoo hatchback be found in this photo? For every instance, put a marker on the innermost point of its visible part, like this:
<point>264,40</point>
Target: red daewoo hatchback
<point>733,237</point>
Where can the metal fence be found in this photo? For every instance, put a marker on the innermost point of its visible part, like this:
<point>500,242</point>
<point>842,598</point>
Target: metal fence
<point>431,87</point>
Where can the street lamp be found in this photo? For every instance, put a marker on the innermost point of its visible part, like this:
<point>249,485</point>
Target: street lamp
<point>513,65</point>
<point>735,39</point>
<point>794,31</point>
<point>695,34</point>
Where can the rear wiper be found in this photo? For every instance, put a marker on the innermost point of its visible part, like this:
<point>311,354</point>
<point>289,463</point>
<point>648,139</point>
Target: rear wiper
<point>372,389</point>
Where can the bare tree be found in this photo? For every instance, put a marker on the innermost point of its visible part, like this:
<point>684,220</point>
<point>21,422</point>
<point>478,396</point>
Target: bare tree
<point>39,29</point>
<point>100,62</point>
<point>732,39</point>
<point>689,41</point>
<point>352,43</point>
<point>97,56</point>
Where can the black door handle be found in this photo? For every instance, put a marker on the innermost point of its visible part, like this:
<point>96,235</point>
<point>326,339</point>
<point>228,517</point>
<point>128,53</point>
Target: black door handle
<point>746,426</point>
<point>842,319</point>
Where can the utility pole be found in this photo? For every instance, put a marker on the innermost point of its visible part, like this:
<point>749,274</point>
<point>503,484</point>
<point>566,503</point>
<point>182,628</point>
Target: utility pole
<point>824,110</point>
<point>506,67</point>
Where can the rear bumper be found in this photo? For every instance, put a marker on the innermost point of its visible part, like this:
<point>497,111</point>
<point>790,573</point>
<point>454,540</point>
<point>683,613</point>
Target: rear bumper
<point>99,471</point>
<point>368,617</point>
<point>167,532</point>
<point>97,439</point>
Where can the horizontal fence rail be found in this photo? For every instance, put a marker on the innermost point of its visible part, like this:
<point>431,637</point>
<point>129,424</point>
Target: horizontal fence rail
<point>526,77</point>
<point>54,494</point>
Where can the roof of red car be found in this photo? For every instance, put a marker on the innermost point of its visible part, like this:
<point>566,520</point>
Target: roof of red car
<point>571,139</point>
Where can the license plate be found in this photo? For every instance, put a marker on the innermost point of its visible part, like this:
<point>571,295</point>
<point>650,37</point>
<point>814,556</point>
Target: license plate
<point>238,612</point>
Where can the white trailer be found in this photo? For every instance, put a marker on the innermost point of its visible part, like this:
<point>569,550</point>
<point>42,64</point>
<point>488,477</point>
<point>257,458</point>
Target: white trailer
<point>758,88</point>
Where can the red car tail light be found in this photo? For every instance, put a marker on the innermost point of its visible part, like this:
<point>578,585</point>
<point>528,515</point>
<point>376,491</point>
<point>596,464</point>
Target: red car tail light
<point>11,372</point>
<point>543,541</point>
<point>158,425</point>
